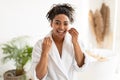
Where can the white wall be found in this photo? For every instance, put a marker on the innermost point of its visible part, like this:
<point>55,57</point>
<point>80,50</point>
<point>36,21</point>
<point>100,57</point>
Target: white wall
<point>117,35</point>
<point>28,17</point>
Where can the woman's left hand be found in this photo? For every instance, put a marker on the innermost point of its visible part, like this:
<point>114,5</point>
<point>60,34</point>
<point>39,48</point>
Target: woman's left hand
<point>73,32</point>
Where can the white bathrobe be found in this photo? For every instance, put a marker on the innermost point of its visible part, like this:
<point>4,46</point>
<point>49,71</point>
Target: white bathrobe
<point>59,68</point>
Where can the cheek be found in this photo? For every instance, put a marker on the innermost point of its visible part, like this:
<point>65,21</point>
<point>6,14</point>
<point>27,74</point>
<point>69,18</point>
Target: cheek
<point>54,29</point>
<point>53,26</point>
<point>67,28</point>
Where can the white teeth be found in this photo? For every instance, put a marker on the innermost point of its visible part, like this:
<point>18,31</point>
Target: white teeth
<point>60,31</point>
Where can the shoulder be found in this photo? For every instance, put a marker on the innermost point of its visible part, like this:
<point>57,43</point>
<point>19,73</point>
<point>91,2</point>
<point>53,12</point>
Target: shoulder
<point>38,43</point>
<point>37,48</point>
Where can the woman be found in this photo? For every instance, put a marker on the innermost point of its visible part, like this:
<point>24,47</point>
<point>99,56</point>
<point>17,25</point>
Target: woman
<point>60,53</point>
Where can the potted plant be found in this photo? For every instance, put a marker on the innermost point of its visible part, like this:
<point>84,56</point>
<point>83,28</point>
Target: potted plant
<point>20,51</point>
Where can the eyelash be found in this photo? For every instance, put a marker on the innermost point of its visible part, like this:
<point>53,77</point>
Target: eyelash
<point>66,24</point>
<point>57,23</point>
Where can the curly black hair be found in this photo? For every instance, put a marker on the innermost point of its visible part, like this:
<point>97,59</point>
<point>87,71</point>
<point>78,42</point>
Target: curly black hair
<point>65,8</point>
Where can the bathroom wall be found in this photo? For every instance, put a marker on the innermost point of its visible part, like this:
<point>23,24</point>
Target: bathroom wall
<point>28,17</point>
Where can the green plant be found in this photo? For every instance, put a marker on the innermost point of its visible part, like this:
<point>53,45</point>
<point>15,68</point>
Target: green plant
<point>18,50</point>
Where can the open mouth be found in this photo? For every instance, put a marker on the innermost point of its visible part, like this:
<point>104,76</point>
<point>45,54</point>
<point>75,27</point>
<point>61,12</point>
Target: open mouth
<point>61,31</point>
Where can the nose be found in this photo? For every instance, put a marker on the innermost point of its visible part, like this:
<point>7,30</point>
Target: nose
<point>61,26</point>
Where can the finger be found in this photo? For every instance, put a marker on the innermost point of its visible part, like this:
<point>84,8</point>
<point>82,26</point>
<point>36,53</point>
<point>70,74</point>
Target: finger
<point>70,31</point>
<point>75,31</point>
<point>44,41</point>
<point>49,39</point>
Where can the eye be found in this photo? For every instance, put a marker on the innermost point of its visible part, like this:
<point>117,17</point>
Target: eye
<point>57,23</point>
<point>66,24</point>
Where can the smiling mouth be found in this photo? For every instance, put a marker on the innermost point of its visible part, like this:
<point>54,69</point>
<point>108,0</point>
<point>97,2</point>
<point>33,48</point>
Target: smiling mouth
<point>61,31</point>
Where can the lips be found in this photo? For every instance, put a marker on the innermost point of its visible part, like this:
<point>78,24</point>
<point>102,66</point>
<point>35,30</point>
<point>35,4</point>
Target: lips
<point>61,31</point>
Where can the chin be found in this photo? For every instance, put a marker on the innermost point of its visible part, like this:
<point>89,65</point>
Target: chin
<point>61,36</point>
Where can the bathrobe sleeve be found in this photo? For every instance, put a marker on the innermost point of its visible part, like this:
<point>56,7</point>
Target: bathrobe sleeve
<point>87,59</point>
<point>36,54</point>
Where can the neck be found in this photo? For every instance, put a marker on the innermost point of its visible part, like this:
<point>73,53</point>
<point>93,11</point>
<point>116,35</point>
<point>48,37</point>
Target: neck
<point>57,39</point>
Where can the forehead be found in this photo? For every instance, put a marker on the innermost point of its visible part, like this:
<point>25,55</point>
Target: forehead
<point>61,17</point>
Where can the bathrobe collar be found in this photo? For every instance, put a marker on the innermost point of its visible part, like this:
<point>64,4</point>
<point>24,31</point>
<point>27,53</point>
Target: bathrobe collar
<point>54,53</point>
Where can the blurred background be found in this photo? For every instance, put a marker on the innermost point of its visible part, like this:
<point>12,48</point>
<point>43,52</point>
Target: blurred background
<point>28,17</point>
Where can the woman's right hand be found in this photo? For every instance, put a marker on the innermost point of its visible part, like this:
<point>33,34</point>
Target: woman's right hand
<point>41,68</point>
<point>47,43</point>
